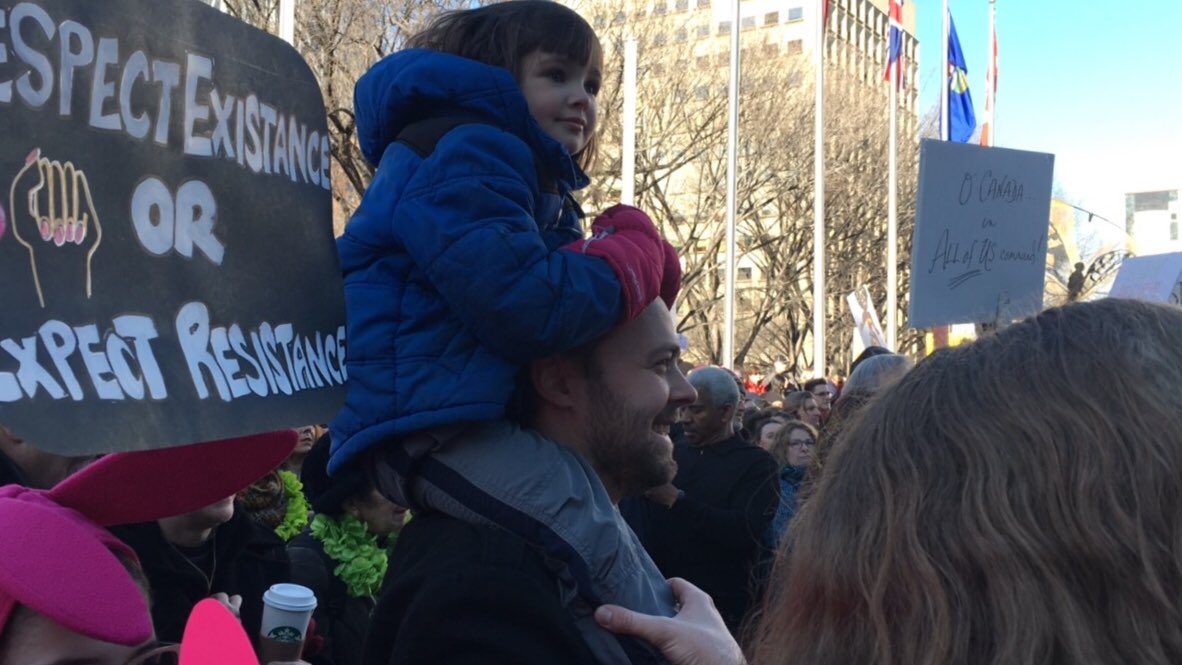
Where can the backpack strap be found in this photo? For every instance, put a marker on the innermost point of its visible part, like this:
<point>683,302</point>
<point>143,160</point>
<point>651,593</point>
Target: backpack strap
<point>422,136</point>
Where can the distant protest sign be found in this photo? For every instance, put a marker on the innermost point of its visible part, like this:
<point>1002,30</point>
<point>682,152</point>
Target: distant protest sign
<point>166,251</point>
<point>1156,278</point>
<point>980,246</point>
<point>865,318</point>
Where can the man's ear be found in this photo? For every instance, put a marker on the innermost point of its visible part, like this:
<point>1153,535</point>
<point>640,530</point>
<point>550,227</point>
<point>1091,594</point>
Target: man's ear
<point>727,413</point>
<point>557,381</point>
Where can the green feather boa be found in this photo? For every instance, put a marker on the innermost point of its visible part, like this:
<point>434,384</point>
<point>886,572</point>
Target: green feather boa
<point>296,517</point>
<point>361,563</point>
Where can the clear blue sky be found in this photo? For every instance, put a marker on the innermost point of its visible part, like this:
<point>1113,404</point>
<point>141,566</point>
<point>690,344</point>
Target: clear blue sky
<point>1096,83</point>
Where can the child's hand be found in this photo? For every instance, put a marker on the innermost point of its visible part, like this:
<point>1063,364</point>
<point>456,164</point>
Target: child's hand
<point>645,264</point>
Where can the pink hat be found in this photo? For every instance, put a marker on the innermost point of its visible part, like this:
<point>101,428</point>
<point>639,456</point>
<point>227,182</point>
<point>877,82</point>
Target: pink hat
<point>58,560</point>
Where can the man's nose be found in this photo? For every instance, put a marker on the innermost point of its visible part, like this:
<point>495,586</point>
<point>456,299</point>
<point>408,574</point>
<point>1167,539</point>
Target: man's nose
<point>681,393</point>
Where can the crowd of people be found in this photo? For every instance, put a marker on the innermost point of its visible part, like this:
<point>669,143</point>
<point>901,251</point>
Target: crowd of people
<point>522,472</point>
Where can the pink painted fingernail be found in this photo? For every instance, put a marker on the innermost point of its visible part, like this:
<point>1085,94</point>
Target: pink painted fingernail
<point>3,222</point>
<point>45,234</point>
<point>33,156</point>
<point>59,235</point>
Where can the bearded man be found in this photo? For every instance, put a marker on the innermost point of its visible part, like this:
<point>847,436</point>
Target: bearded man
<point>487,578</point>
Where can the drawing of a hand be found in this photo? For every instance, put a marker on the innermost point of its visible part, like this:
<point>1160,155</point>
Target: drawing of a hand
<point>53,216</point>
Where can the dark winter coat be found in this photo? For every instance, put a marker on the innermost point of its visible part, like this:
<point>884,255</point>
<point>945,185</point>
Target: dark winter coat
<point>712,535</point>
<point>790,479</point>
<point>459,593</point>
<point>341,619</point>
<point>249,559</point>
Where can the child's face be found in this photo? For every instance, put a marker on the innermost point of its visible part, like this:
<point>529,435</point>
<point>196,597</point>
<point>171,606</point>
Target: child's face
<point>562,97</point>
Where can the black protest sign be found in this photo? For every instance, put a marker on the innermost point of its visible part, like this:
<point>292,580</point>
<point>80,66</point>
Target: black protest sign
<point>166,253</point>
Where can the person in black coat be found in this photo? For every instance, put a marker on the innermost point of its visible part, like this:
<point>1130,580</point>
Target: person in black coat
<point>466,593</point>
<point>353,521</point>
<point>707,524</point>
<point>214,550</point>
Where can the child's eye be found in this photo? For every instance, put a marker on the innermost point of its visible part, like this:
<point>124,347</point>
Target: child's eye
<point>592,87</point>
<point>556,75</point>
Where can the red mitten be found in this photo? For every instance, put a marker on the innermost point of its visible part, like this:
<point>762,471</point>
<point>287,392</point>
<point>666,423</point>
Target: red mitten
<point>671,277</point>
<point>313,643</point>
<point>627,239</point>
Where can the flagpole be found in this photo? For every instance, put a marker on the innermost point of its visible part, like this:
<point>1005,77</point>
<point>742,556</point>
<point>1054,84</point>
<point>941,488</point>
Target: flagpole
<point>287,20</point>
<point>892,305</point>
<point>945,135</point>
<point>628,149</point>
<point>732,168</point>
<point>819,364</point>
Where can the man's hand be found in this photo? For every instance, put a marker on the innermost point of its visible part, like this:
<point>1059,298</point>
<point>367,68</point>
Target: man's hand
<point>666,495</point>
<point>695,636</point>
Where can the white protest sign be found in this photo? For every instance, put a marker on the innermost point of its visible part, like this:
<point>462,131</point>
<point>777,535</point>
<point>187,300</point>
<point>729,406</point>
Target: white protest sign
<point>1154,278</point>
<point>866,318</point>
<point>980,246</point>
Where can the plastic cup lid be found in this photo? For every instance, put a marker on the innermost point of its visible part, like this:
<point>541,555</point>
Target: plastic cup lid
<point>290,597</point>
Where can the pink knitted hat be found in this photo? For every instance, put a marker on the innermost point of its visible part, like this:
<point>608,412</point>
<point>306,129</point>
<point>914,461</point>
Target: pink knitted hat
<point>56,557</point>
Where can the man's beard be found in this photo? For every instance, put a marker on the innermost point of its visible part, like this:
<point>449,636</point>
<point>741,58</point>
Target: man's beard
<point>628,455</point>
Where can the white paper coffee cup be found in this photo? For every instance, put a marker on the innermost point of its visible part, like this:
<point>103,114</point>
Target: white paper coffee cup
<point>286,611</point>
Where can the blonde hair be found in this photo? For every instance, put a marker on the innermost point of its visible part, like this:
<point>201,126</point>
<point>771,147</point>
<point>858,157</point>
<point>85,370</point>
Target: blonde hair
<point>781,441</point>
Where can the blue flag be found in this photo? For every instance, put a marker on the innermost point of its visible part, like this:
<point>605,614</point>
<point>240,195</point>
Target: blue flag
<point>961,118</point>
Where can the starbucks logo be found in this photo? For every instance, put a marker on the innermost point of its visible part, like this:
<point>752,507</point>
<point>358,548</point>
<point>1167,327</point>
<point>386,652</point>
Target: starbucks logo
<point>285,634</point>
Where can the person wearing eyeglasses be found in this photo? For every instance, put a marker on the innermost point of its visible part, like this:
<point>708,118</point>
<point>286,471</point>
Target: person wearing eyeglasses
<point>824,393</point>
<point>792,446</point>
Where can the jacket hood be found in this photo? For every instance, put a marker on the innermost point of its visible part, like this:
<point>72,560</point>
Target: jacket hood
<point>416,84</point>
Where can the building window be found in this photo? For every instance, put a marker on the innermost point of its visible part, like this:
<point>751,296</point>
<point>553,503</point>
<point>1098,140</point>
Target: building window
<point>748,22</point>
<point>794,47</point>
<point>600,21</point>
<point>771,18</point>
<point>770,50</point>
<point>682,34</point>
<point>744,274</point>
<point>703,62</point>
<point>1174,226</point>
<point>702,92</point>
<point>703,31</point>
<point>724,27</point>
<point>619,18</point>
<point>659,39</point>
<point>659,9</point>
<point>795,14</point>
<point>703,4</point>
<point>682,5</point>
